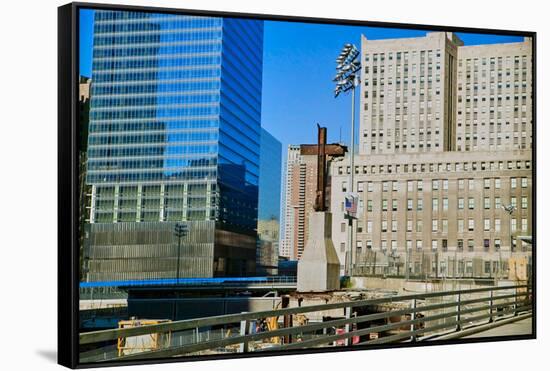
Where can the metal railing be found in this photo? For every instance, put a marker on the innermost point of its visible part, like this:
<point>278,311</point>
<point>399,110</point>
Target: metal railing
<point>411,318</point>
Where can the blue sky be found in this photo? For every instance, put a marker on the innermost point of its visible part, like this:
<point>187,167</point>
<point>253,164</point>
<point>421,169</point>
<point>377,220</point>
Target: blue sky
<point>299,64</point>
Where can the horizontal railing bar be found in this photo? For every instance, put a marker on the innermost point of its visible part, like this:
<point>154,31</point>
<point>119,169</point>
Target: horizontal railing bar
<point>104,335</point>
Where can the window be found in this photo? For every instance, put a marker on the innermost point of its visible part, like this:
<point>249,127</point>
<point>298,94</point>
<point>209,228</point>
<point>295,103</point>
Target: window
<point>524,225</point>
<point>369,205</point>
<point>497,225</point>
<point>444,244</point>
<point>369,186</point>
<point>524,202</point>
<point>394,245</point>
<point>419,185</point>
<point>369,226</point>
<point>409,186</point>
<point>360,186</point>
<point>470,245</point>
<point>419,225</point>
<point>434,244</point>
<point>460,244</point>
<point>445,184</point>
<point>461,203</point>
<point>359,246</point>
<point>514,201</point>
<point>486,183</point>
<point>471,203</point>
<point>470,224</point>
<point>469,269</point>
<point>486,224</point>
<point>394,205</point>
<point>384,245</point>
<point>384,205</point>
<point>513,225</point>
<point>394,186</point>
<point>523,182</point>
<point>369,244</point>
<point>497,244</point>
<point>486,203</point>
<point>409,225</point>
<point>385,186</point>
<point>497,183</point>
<point>434,225</point>
<point>342,227</point>
<point>384,225</point>
<point>497,203</point>
<point>470,184</point>
<point>344,186</point>
<point>419,204</point>
<point>445,204</point>
<point>513,183</point>
<point>435,204</point>
<point>409,244</point>
<point>394,225</point>
<point>460,225</point>
<point>409,204</point>
<point>445,225</point>
<point>486,244</point>
<point>419,244</point>
<point>342,247</point>
<point>435,185</point>
<point>461,184</point>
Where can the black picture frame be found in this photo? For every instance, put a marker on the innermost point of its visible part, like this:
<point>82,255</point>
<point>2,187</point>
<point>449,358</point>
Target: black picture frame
<point>68,232</point>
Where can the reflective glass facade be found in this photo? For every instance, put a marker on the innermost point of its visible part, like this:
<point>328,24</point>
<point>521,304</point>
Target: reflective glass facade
<point>174,136</point>
<point>269,206</point>
<point>175,119</point>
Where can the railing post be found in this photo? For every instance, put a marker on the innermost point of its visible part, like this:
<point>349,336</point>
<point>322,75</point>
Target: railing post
<point>413,317</point>
<point>347,341</point>
<point>243,348</point>
<point>491,307</point>
<point>516,301</point>
<point>458,326</point>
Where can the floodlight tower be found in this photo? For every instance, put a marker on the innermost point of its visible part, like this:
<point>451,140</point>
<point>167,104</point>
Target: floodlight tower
<point>347,79</point>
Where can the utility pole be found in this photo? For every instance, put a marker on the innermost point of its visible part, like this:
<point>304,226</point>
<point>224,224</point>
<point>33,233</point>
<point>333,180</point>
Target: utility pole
<point>347,79</point>
<point>180,230</point>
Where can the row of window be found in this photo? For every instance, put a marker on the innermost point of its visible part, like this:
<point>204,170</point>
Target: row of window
<point>431,167</point>
<point>445,204</point>
<point>435,245</point>
<point>437,184</point>
<point>442,226</point>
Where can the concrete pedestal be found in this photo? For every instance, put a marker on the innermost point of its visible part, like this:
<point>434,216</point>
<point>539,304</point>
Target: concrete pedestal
<point>319,266</point>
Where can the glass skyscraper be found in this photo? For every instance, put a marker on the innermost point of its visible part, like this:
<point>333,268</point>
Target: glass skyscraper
<point>174,136</point>
<point>269,205</point>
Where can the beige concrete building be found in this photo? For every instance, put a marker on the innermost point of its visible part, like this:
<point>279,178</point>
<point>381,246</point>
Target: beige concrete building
<point>445,206</point>
<point>432,94</point>
<point>494,97</point>
<point>445,143</point>
<point>408,90</point>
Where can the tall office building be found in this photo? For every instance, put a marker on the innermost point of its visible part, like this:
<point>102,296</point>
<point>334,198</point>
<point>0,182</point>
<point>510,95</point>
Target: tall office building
<point>286,246</point>
<point>174,137</point>
<point>301,184</point>
<point>408,94</point>
<point>445,145</point>
<point>494,97</point>
<point>269,206</point>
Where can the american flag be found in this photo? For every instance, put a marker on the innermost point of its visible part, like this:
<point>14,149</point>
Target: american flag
<point>351,204</point>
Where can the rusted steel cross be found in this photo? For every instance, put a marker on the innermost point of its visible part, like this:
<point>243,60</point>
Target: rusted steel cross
<point>322,150</point>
